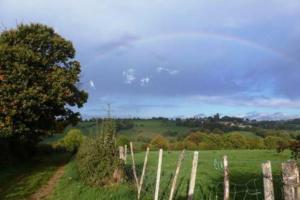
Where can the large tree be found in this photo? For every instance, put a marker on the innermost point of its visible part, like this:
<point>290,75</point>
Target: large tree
<point>39,80</point>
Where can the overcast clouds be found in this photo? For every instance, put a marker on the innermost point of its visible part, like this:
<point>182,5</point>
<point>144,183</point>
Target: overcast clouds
<point>175,57</point>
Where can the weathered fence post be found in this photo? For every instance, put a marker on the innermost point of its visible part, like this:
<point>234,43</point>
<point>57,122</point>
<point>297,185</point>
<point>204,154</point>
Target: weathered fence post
<point>176,175</point>
<point>226,178</point>
<point>121,152</point>
<point>268,181</point>
<point>158,174</point>
<point>133,167</point>
<point>193,176</point>
<point>143,173</point>
<point>125,153</point>
<point>290,176</point>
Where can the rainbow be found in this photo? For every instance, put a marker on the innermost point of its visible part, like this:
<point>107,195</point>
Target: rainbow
<point>217,36</point>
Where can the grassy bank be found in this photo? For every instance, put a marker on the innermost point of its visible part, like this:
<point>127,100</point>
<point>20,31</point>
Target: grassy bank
<point>23,179</point>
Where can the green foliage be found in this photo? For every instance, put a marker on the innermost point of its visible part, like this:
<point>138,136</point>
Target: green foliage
<point>122,140</point>
<point>159,142</point>
<point>97,158</point>
<point>144,131</point>
<point>122,124</point>
<point>206,141</point>
<point>294,146</point>
<point>272,142</point>
<point>95,163</point>
<point>72,140</point>
<point>38,84</point>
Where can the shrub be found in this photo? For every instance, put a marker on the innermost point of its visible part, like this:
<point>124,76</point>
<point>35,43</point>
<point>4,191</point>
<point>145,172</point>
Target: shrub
<point>95,163</point>
<point>72,140</point>
<point>236,141</point>
<point>272,142</point>
<point>98,160</point>
<point>123,140</point>
<point>160,142</point>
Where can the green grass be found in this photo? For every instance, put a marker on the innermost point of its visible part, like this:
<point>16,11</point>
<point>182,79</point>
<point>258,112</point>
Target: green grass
<point>23,179</point>
<point>146,128</point>
<point>149,128</point>
<point>70,187</point>
<point>245,177</point>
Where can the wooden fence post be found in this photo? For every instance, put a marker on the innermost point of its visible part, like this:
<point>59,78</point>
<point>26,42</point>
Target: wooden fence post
<point>121,152</point>
<point>226,178</point>
<point>176,175</point>
<point>158,174</point>
<point>268,181</point>
<point>133,167</point>
<point>193,176</point>
<point>143,173</point>
<point>125,153</point>
<point>290,176</point>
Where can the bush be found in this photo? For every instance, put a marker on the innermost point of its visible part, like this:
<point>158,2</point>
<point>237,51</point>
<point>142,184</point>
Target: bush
<point>123,140</point>
<point>95,163</point>
<point>98,159</point>
<point>272,142</point>
<point>160,142</point>
<point>72,140</point>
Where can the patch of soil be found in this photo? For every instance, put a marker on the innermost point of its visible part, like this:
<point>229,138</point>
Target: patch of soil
<point>47,189</point>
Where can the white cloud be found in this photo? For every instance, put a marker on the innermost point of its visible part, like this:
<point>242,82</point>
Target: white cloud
<point>92,84</point>
<point>129,75</point>
<point>169,71</point>
<point>145,81</point>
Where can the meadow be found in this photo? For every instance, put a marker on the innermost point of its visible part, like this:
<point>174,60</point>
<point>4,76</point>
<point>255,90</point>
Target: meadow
<point>245,176</point>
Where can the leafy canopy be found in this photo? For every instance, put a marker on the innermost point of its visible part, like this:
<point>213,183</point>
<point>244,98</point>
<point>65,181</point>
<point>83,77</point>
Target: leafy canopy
<point>38,82</point>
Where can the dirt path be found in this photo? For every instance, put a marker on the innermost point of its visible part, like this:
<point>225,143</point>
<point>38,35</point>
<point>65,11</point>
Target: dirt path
<point>47,189</point>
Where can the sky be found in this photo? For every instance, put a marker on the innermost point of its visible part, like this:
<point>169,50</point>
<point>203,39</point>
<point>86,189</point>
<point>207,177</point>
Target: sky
<point>176,58</point>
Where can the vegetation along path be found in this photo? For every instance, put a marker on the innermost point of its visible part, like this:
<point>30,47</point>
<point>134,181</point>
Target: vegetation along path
<point>47,189</point>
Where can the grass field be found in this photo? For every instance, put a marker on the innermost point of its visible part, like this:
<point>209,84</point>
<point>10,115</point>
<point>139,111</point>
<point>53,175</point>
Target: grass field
<point>245,177</point>
<point>145,128</point>
<point>150,128</point>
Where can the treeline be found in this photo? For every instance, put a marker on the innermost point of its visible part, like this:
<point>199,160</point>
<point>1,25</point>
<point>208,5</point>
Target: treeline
<point>293,124</point>
<point>227,123</point>
<point>205,141</point>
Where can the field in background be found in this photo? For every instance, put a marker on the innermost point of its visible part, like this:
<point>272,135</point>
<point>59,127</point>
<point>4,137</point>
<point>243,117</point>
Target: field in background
<point>146,128</point>
<point>142,128</point>
<point>245,176</point>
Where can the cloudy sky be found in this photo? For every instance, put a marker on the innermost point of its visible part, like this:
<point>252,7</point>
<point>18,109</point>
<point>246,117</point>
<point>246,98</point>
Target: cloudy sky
<point>178,58</point>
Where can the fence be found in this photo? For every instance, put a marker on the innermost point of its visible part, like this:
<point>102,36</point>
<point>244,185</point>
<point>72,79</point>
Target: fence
<point>289,179</point>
